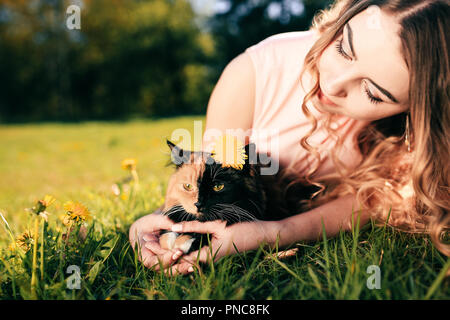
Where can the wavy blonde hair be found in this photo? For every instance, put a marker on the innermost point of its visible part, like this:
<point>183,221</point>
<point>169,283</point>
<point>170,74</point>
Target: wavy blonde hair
<point>388,169</point>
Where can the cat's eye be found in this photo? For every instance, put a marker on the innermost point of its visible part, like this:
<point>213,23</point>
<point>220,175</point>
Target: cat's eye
<point>188,186</point>
<point>218,187</point>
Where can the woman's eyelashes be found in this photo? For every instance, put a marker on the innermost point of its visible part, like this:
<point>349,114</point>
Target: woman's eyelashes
<point>372,98</point>
<point>341,51</point>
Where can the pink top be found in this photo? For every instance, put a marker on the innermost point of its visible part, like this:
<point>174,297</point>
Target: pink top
<point>278,120</point>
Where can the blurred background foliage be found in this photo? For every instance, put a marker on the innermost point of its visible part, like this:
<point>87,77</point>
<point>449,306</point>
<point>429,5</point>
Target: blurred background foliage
<point>131,58</point>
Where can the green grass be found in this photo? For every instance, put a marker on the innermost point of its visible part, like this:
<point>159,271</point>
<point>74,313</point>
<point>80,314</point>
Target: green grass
<point>80,162</point>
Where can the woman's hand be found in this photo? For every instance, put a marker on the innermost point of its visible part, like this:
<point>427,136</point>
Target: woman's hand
<point>225,240</point>
<point>144,236</point>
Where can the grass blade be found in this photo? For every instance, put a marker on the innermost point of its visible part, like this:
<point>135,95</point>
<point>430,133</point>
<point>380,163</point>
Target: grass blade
<point>438,280</point>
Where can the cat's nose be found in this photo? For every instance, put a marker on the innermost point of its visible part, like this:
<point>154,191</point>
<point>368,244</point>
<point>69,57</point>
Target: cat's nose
<point>198,205</point>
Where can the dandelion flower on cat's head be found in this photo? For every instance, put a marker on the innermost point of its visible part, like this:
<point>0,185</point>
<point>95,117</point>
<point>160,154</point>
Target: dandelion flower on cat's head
<point>229,151</point>
<point>129,164</point>
<point>76,211</point>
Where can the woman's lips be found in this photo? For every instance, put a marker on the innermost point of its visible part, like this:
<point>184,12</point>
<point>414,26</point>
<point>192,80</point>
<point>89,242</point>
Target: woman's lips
<point>324,99</point>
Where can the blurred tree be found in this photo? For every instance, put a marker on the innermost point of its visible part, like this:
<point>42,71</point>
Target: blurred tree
<point>135,57</point>
<point>143,51</point>
<point>239,24</point>
<point>130,58</point>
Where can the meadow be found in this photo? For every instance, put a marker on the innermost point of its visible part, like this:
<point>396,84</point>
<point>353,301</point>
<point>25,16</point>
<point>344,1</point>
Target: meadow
<point>78,164</point>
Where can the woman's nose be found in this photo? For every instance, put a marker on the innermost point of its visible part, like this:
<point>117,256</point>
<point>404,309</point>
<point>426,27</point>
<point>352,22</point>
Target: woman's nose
<point>338,82</point>
<point>335,86</point>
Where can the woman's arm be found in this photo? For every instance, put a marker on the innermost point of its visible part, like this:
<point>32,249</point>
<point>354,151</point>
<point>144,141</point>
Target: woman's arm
<point>230,107</point>
<point>144,237</point>
<point>306,226</point>
<point>232,101</point>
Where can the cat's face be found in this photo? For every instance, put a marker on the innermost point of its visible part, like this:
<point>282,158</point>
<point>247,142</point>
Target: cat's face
<point>201,189</point>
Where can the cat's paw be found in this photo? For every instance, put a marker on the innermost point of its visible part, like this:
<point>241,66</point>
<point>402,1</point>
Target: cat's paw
<point>184,243</point>
<point>167,240</point>
<point>172,240</point>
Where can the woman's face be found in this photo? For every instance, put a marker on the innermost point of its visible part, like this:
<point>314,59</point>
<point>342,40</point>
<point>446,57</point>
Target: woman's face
<point>363,74</point>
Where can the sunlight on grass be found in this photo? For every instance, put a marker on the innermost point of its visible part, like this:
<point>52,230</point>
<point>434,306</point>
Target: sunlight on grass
<point>67,160</point>
<point>85,184</point>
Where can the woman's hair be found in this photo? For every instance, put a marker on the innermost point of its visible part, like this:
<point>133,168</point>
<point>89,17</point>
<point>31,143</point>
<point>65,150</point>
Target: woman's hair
<point>388,171</point>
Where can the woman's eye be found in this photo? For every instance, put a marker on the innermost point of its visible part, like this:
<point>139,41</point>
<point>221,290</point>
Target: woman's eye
<point>188,186</point>
<point>340,49</point>
<point>371,97</point>
<point>218,187</point>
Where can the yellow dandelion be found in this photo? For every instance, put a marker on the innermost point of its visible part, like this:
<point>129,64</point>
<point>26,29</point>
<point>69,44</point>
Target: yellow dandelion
<point>76,211</point>
<point>25,240</point>
<point>229,151</point>
<point>65,220</point>
<point>129,164</point>
<point>12,247</point>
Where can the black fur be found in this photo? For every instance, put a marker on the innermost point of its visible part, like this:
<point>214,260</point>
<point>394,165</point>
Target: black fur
<point>247,195</point>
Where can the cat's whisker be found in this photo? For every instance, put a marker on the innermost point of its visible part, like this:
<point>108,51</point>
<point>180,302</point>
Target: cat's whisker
<point>171,210</point>
<point>224,215</point>
<point>237,211</point>
<point>246,213</point>
<point>217,213</point>
<point>256,206</point>
<point>231,215</point>
<point>184,216</point>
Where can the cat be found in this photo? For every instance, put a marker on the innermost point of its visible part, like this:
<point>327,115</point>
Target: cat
<point>203,189</point>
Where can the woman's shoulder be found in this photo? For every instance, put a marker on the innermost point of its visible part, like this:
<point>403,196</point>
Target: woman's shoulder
<point>282,46</point>
<point>292,37</point>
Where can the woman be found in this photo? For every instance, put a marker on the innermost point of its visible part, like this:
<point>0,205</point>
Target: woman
<point>372,80</point>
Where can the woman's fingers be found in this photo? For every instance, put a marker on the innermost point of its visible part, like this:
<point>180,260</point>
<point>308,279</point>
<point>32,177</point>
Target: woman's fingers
<point>151,223</point>
<point>154,222</point>
<point>152,255</point>
<point>165,260</point>
<point>205,254</point>
<point>184,266</point>
<point>159,222</point>
<point>147,257</point>
<point>189,263</point>
<point>154,246</point>
<point>199,227</point>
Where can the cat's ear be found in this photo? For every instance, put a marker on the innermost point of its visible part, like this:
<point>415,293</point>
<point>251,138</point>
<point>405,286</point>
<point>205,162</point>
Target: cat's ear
<point>178,155</point>
<point>250,151</point>
<point>170,144</point>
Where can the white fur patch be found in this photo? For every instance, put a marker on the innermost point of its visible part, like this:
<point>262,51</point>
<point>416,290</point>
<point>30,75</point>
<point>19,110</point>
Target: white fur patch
<point>167,240</point>
<point>185,245</point>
